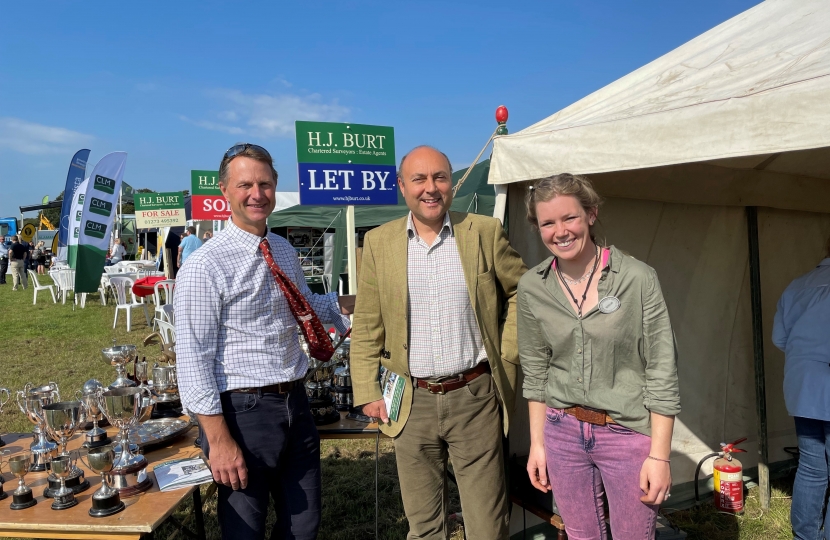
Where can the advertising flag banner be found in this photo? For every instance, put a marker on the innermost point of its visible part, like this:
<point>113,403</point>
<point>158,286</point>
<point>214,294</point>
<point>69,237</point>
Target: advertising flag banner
<point>77,170</point>
<point>76,211</point>
<point>97,220</point>
<point>346,164</point>
<point>159,210</point>
<point>206,199</point>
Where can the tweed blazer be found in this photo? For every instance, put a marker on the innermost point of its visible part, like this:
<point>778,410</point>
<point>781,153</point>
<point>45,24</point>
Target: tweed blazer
<point>380,334</point>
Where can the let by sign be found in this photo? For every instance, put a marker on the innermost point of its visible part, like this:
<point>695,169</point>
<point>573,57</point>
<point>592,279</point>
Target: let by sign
<point>342,164</point>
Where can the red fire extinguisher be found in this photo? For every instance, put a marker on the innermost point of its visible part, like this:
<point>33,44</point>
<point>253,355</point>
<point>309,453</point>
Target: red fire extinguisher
<point>728,477</point>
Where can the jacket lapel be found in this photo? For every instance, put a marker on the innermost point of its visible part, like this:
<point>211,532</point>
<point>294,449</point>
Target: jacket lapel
<point>395,272</point>
<point>467,241</point>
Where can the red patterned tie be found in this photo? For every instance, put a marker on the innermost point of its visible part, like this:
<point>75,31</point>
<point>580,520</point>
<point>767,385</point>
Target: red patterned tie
<point>319,343</point>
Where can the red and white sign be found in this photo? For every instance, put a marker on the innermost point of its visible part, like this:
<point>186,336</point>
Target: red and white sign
<point>209,207</point>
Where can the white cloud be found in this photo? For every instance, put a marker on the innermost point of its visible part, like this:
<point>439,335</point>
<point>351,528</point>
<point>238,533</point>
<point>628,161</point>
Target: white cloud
<point>268,115</point>
<point>36,139</point>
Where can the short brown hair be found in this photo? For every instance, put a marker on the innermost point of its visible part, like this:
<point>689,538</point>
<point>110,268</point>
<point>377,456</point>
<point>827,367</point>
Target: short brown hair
<point>252,152</point>
<point>545,189</point>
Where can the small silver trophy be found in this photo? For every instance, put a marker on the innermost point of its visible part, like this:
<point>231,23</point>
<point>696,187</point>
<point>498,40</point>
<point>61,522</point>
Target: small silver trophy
<point>62,467</point>
<point>106,501</point>
<point>22,497</point>
<point>62,420</point>
<point>96,436</point>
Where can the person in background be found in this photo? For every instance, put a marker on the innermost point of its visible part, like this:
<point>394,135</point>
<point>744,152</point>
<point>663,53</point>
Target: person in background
<point>18,255</point>
<point>600,365</point>
<point>4,259</point>
<point>207,236</point>
<point>118,252</point>
<point>189,244</point>
<point>800,329</point>
<point>39,257</point>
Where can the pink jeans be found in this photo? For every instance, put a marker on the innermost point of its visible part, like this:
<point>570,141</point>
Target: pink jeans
<point>586,462</point>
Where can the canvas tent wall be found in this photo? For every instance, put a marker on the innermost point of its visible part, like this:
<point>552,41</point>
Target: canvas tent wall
<point>686,150</point>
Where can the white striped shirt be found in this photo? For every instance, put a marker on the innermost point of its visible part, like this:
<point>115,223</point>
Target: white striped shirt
<point>234,328</point>
<point>444,337</point>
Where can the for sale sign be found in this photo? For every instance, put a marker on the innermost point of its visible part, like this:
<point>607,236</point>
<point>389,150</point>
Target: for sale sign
<point>207,200</point>
<point>341,164</point>
<point>159,210</point>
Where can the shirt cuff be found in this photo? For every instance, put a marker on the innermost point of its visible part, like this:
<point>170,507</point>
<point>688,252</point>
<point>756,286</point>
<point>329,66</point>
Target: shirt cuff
<point>202,401</point>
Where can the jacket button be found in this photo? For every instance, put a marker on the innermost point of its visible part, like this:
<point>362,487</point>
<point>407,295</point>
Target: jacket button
<point>404,346</point>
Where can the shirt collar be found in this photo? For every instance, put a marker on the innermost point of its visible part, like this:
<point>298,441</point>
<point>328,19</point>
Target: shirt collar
<point>246,241</point>
<point>825,262</point>
<point>410,226</point>
<point>611,259</point>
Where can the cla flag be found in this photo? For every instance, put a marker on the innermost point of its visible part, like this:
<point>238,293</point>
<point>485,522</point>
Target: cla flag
<point>77,169</point>
<point>97,218</point>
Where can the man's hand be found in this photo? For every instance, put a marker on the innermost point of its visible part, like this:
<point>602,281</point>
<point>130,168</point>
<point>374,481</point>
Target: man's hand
<point>377,409</point>
<point>655,481</point>
<point>537,468</point>
<point>347,304</point>
<point>226,461</point>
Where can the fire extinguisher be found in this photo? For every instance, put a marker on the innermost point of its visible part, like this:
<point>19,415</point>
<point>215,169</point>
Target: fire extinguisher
<point>728,477</point>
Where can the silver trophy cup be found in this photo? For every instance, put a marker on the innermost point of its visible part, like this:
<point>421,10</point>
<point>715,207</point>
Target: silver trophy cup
<point>96,436</point>
<point>22,497</point>
<point>123,407</point>
<point>106,501</point>
<point>62,420</point>
<point>118,356</point>
<point>30,401</point>
<point>62,467</point>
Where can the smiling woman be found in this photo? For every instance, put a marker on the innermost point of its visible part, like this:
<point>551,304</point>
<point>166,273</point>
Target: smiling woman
<point>597,350</point>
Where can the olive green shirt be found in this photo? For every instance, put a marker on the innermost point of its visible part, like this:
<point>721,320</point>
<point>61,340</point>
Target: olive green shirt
<point>624,361</point>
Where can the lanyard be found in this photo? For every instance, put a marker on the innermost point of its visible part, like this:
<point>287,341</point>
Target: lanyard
<point>587,287</point>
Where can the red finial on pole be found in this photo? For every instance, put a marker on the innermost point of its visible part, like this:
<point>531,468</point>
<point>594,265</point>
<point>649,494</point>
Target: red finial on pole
<point>501,114</point>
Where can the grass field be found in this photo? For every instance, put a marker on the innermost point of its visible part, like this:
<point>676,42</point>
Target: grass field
<point>48,342</point>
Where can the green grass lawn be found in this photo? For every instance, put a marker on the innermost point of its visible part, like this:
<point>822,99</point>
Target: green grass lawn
<point>49,342</point>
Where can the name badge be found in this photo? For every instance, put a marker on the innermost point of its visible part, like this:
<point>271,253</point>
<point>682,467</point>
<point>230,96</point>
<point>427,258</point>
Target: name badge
<point>609,304</point>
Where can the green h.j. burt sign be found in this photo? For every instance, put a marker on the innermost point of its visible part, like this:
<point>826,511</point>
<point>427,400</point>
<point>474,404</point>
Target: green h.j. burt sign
<point>157,201</point>
<point>204,183</point>
<point>327,142</point>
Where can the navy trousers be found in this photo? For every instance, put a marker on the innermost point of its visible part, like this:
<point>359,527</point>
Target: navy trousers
<point>281,447</point>
<point>809,509</point>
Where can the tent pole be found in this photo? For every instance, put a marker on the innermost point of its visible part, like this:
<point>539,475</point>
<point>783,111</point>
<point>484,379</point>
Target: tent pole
<point>758,349</point>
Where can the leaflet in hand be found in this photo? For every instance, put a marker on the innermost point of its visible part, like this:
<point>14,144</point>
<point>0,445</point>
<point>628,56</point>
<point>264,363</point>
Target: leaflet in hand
<point>181,473</point>
<point>392,386</point>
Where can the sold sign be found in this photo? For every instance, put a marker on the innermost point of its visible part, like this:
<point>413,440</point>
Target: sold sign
<point>207,200</point>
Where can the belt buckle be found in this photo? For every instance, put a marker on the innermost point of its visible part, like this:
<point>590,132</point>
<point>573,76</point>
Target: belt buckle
<point>440,392</point>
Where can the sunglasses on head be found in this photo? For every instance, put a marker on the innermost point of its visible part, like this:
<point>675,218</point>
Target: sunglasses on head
<point>237,149</point>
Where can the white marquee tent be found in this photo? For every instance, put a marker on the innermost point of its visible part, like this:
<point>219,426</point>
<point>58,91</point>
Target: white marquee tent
<point>715,164</point>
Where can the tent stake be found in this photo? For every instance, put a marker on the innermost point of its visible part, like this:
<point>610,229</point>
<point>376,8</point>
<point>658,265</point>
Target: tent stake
<point>758,349</point>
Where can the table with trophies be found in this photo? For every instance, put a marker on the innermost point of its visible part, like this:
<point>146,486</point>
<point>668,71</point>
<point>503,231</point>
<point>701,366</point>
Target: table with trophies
<point>76,479</point>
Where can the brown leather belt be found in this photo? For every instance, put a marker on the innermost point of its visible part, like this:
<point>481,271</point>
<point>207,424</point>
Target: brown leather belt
<point>596,417</point>
<point>279,388</point>
<point>454,382</point>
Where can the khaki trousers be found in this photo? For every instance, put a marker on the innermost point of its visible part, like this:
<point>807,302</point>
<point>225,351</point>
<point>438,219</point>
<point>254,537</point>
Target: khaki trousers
<point>465,426</point>
<point>18,273</point>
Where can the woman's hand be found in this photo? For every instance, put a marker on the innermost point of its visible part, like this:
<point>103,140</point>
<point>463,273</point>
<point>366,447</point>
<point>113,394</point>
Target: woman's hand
<point>655,481</point>
<point>537,468</point>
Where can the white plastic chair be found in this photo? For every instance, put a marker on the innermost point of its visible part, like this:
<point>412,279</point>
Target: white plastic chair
<point>39,287</point>
<point>167,331</point>
<point>66,278</point>
<point>166,286</point>
<point>120,286</point>
<point>168,314</point>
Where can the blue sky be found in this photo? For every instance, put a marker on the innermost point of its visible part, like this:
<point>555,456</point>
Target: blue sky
<point>176,83</point>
